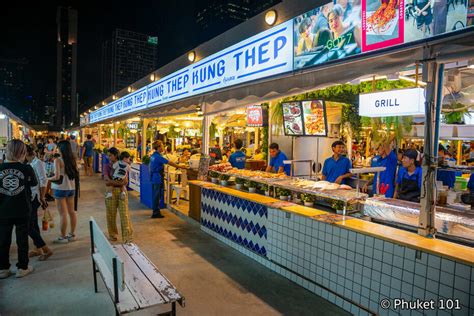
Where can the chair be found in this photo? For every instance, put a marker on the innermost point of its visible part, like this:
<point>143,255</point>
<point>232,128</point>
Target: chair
<point>181,188</point>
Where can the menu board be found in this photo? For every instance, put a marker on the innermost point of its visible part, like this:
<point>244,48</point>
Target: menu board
<point>305,118</point>
<point>314,118</point>
<point>293,119</point>
<point>342,28</point>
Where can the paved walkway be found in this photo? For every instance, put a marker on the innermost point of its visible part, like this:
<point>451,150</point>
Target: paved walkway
<point>214,278</point>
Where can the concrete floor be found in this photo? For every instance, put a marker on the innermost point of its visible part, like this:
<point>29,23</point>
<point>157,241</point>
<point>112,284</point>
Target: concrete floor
<point>214,278</point>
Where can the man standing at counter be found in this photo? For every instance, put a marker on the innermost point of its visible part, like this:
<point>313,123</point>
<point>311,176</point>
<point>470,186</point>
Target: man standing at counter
<point>388,159</point>
<point>277,157</point>
<point>157,162</point>
<point>409,178</point>
<point>336,168</point>
<point>237,159</point>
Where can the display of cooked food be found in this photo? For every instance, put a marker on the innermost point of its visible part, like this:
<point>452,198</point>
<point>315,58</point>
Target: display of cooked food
<point>314,119</point>
<point>292,118</point>
<point>383,17</point>
<point>319,185</point>
<point>256,174</point>
<point>222,167</point>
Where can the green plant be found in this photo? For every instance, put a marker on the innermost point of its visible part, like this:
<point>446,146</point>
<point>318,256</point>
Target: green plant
<point>146,160</point>
<point>213,174</point>
<point>224,177</point>
<point>307,197</point>
<point>283,192</point>
<point>338,205</point>
<point>264,187</point>
<point>212,131</point>
<point>105,150</point>
<point>454,113</point>
<point>239,181</point>
<point>251,184</point>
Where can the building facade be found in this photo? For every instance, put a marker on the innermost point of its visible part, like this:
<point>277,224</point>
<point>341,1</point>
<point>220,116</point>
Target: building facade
<point>13,85</point>
<point>127,57</point>
<point>66,67</point>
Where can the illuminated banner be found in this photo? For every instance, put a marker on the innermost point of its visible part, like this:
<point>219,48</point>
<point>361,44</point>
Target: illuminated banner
<point>402,102</point>
<point>266,54</point>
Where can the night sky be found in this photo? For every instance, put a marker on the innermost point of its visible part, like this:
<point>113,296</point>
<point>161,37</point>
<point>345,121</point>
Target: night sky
<point>30,33</point>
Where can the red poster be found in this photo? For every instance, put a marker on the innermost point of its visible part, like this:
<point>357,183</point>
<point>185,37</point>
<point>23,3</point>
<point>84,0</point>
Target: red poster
<point>382,23</point>
<point>254,116</point>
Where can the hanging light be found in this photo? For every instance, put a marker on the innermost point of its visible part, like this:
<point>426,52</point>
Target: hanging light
<point>152,77</point>
<point>114,97</point>
<point>104,103</point>
<point>191,56</point>
<point>270,17</point>
<point>129,89</point>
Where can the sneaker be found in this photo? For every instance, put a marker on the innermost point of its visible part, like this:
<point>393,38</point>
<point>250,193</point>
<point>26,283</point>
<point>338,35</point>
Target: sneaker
<point>21,273</point>
<point>5,273</point>
<point>71,237</point>
<point>61,240</point>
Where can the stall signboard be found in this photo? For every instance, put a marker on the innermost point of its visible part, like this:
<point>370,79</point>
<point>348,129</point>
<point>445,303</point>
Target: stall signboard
<point>265,54</point>
<point>343,28</point>
<point>133,126</point>
<point>401,102</point>
<point>257,116</point>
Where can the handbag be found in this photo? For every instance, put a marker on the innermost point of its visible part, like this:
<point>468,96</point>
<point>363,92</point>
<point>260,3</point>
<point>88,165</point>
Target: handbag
<point>58,181</point>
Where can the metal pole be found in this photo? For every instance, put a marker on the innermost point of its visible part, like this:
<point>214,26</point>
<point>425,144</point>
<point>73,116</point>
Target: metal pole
<point>432,74</point>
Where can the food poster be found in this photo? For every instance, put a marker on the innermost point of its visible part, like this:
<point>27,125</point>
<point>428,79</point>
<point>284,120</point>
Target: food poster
<point>426,18</point>
<point>293,119</point>
<point>314,117</point>
<point>382,24</point>
<point>330,32</point>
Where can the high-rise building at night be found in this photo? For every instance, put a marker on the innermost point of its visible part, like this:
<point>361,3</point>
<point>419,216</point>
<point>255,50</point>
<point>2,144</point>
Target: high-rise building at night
<point>13,85</point>
<point>215,16</point>
<point>66,67</point>
<point>127,57</point>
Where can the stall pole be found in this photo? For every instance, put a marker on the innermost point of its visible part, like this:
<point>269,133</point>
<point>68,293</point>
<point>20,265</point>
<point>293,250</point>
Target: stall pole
<point>257,138</point>
<point>206,123</point>
<point>459,153</point>
<point>115,134</point>
<point>145,123</point>
<point>99,138</point>
<point>433,75</point>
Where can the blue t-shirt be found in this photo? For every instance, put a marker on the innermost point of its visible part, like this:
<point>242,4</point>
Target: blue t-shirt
<point>277,162</point>
<point>157,163</point>
<point>237,159</point>
<point>387,176</point>
<point>89,148</point>
<point>332,168</point>
<point>470,184</point>
<point>403,173</point>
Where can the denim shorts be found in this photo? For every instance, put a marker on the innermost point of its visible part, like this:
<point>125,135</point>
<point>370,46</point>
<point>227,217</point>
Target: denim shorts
<point>59,194</point>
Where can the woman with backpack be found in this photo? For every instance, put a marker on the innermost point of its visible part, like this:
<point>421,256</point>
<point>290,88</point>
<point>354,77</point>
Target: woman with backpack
<point>64,182</point>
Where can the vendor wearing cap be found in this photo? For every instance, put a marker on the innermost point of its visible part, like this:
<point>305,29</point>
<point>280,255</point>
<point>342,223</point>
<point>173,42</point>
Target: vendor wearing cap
<point>237,159</point>
<point>277,157</point>
<point>336,168</point>
<point>409,178</point>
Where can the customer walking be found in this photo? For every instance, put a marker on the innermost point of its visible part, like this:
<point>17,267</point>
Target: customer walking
<point>64,190</point>
<point>16,180</point>
<point>114,202</point>
<point>87,154</point>
<point>37,199</point>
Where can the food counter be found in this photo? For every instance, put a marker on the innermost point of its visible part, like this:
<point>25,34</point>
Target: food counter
<point>348,261</point>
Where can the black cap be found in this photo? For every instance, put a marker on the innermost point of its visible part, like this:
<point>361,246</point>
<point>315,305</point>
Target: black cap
<point>411,153</point>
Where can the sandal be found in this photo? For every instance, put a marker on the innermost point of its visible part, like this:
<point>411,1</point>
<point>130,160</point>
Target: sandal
<point>35,253</point>
<point>45,256</point>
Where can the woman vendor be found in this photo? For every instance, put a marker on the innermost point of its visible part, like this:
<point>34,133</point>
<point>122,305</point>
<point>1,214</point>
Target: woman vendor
<point>409,178</point>
<point>157,162</point>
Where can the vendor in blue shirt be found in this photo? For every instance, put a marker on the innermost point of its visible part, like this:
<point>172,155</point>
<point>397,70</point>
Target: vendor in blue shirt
<point>447,177</point>
<point>409,178</point>
<point>157,162</point>
<point>336,168</point>
<point>276,160</point>
<point>237,159</point>
<point>386,158</point>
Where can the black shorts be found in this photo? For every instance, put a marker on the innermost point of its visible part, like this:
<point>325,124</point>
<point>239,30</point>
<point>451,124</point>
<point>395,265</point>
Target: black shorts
<point>424,19</point>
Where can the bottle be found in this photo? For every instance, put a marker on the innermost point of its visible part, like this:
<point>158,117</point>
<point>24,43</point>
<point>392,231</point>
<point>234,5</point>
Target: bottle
<point>45,224</point>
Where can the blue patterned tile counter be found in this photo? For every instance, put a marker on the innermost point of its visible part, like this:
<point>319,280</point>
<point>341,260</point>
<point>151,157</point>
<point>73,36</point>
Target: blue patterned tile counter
<point>353,264</point>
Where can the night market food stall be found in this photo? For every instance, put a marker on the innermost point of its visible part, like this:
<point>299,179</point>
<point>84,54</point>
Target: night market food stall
<point>343,257</point>
<point>12,127</point>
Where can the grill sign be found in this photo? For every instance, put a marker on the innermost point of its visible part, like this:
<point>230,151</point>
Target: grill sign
<point>403,102</point>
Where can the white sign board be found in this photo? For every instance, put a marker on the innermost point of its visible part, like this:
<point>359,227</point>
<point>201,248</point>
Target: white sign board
<point>403,102</point>
<point>134,177</point>
<point>263,55</point>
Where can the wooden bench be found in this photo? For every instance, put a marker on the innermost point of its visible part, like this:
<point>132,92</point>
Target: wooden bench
<point>132,280</point>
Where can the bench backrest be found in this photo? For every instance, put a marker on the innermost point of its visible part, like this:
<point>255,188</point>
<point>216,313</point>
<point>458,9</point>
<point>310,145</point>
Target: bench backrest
<point>107,252</point>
